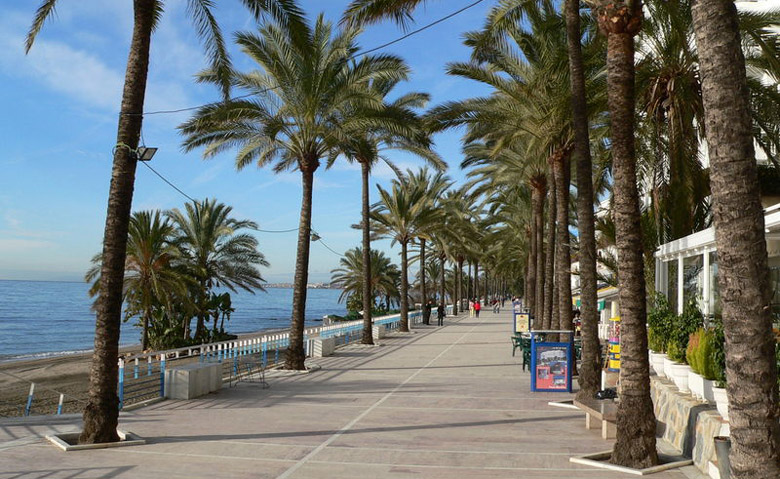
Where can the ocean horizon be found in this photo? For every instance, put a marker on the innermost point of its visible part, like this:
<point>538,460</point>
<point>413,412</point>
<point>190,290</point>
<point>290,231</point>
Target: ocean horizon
<point>40,319</point>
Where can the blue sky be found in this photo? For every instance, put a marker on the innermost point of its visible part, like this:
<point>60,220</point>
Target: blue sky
<point>59,126</point>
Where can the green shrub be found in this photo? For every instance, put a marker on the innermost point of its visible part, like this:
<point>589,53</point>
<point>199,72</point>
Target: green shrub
<point>692,352</point>
<point>717,356</point>
<point>683,326</point>
<point>659,324</point>
<point>701,346</point>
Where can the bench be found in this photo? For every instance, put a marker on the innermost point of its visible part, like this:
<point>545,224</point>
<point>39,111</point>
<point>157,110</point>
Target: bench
<point>249,368</point>
<point>599,413</point>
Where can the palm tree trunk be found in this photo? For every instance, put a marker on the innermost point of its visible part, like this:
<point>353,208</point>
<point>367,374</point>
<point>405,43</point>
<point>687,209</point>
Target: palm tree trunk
<point>589,380</point>
<point>145,332</point>
<point>423,288</point>
<point>635,438</point>
<point>101,415</point>
<point>476,280</point>
<point>537,208</point>
<point>404,288</point>
<point>541,277</point>
<point>562,176</point>
<point>549,267</point>
<point>468,282</point>
<point>743,274</point>
<point>442,285</point>
<point>295,356</point>
<point>368,299</point>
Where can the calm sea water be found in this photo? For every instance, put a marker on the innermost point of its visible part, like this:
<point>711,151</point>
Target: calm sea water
<point>40,318</point>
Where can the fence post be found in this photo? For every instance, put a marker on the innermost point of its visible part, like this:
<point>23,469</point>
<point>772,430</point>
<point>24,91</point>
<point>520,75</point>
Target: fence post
<point>28,408</point>
<point>121,387</point>
<point>135,369</point>
<point>162,375</point>
<point>59,405</point>
<point>148,365</point>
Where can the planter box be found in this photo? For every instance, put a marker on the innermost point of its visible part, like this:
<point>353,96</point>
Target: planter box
<point>379,331</point>
<point>696,384</point>
<point>657,361</point>
<point>668,367</point>
<point>709,393</point>
<point>722,402</point>
<point>680,376</point>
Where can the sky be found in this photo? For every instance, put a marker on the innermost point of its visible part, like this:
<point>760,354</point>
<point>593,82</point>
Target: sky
<point>58,128</point>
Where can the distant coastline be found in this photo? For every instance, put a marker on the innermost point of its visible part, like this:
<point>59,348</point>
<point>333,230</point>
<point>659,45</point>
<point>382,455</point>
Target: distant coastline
<point>308,286</point>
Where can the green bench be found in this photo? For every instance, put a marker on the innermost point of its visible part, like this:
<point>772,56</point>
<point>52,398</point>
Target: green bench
<point>524,344</point>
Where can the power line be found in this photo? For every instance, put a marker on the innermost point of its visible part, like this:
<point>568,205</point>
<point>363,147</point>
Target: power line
<point>329,248</point>
<point>259,230</point>
<point>358,55</point>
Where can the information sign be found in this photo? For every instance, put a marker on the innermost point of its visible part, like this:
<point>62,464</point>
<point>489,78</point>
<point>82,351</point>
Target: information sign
<point>551,365</point>
<point>522,322</point>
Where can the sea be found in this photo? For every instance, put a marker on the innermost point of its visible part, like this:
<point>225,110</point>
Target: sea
<point>40,319</point>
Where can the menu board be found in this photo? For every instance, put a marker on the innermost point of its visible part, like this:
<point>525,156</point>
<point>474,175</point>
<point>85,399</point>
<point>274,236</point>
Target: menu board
<point>551,367</point>
<point>522,322</point>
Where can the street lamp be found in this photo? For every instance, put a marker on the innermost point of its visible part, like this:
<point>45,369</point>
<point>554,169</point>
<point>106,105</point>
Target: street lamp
<point>144,153</point>
<point>314,236</point>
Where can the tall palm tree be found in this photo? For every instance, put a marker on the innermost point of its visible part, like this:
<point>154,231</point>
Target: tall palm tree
<point>152,277</point>
<point>398,215</point>
<point>218,252</point>
<point>308,80</point>
<point>432,185</point>
<point>350,276</point>
<point>620,22</point>
<point>743,275</point>
<point>101,415</point>
<point>396,126</point>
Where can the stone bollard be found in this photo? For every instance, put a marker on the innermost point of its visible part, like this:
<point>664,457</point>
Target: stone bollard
<point>379,331</point>
<point>323,347</point>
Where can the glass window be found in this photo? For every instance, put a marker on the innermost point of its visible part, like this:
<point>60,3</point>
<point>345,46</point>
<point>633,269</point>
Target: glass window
<point>693,278</point>
<point>671,283</point>
<point>714,298</point>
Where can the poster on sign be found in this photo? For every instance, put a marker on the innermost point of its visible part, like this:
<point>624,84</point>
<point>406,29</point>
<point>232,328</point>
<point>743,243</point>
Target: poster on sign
<point>522,322</point>
<point>552,367</point>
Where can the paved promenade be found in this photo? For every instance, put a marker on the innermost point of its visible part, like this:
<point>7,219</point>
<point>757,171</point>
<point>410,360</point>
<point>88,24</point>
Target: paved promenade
<point>441,402</point>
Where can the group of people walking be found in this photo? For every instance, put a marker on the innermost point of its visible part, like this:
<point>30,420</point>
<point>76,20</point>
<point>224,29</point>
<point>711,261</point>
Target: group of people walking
<point>440,313</point>
<point>475,306</point>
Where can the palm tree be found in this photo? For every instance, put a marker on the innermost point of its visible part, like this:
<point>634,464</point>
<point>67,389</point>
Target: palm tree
<point>432,186</point>
<point>152,277</point>
<point>349,276</point>
<point>295,118</point>
<point>101,415</point>
<point>398,215</point>
<point>217,251</point>
<point>635,439</point>
<point>397,126</point>
<point>739,233</point>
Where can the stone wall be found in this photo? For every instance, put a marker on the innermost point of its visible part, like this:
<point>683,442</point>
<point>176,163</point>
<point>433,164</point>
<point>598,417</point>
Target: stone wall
<point>688,424</point>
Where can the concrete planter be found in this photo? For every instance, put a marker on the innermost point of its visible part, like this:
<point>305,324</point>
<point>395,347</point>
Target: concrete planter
<point>657,361</point>
<point>722,402</point>
<point>709,393</point>
<point>668,367</point>
<point>680,376</point>
<point>696,384</point>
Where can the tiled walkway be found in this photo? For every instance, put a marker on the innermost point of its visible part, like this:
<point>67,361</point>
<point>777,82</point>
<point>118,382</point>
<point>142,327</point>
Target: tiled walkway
<point>441,402</point>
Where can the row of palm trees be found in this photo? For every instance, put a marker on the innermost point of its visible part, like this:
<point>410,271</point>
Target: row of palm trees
<point>555,102</point>
<point>177,263</point>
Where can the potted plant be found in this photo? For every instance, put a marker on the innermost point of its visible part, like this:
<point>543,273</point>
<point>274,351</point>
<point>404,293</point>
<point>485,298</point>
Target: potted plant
<point>718,363</point>
<point>705,363</point>
<point>659,320</point>
<point>683,326</point>
<point>693,356</point>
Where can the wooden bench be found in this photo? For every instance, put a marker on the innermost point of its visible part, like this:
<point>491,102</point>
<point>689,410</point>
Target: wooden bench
<point>599,413</point>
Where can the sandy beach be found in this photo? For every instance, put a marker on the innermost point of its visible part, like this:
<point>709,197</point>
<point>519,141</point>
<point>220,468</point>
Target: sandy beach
<point>68,375</point>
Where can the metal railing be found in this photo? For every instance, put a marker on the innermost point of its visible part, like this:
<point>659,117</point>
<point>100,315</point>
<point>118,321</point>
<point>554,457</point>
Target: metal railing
<point>141,376</point>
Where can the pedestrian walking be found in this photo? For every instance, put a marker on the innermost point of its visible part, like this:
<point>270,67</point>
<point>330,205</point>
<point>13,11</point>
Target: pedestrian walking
<point>477,307</point>
<point>471,308</point>
<point>496,307</point>
<point>440,314</point>
<point>427,313</point>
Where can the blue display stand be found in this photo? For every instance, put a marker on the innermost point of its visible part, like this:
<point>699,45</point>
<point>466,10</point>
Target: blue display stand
<point>551,362</point>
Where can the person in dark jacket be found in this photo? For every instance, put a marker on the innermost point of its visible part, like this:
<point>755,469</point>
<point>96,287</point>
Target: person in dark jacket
<point>440,314</point>
<point>427,313</point>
